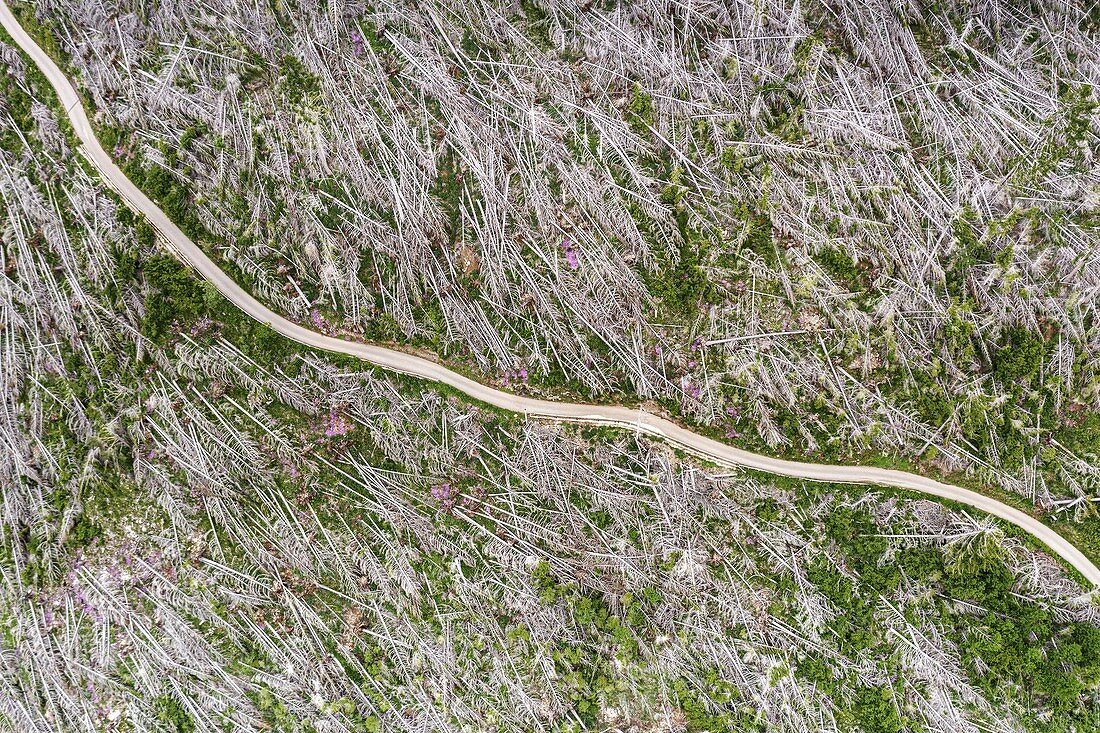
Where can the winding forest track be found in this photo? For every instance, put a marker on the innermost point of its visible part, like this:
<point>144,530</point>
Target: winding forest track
<point>416,366</point>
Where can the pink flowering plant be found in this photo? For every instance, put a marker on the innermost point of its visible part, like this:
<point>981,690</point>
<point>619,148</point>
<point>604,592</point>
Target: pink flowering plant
<point>201,327</point>
<point>570,251</point>
<point>516,377</point>
<point>734,414</point>
<point>335,425</point>
<point>446,495</point>
<point>321,323</point>
<point>463,493</point>
<point>692,390</point>
<point>357,42</point>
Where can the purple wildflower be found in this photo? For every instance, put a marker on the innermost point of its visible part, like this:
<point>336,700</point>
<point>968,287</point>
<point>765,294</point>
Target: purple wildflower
<point>692,389</point>
<point>320,322</point>
<point>570,254</point>
<point>474,497</point>
<point>446,495</point>
<point>519,376</point>
<point>201,326</point>
<point>357,42</point>
<point>336,425</point>
<point>289,467</point>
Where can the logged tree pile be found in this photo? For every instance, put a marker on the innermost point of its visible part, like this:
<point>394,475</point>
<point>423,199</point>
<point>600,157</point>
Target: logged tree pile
<point>829,230</point>
<point>824,229</point>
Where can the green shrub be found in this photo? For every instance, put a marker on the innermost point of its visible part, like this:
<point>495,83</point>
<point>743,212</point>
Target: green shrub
<point>1019,356</point>
<point>837,263</point>
<point>874,711</point>
<point>969,250</point>
<point>299,85</point>
<point>171,713</point>
<point>640,111</point>
<point>83,532</point>
<point>172,295</point>
<point>538,24</point>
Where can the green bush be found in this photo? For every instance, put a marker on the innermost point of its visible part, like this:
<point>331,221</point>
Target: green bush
<point>538,24</point>
<point>1019,356</point>
<point>969,250</point>
<point>172,295</point>
<point>164,186</point>
<point>299,85</point>
<point>837,263</point>
<point>683,286</point>
<point>84,531</point>
<point>874,711</point>
<point>930,399</point>
<point>171,713</point>
<point>546,585</point>
<point>640,111</point>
